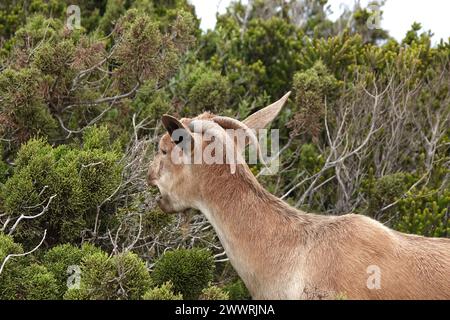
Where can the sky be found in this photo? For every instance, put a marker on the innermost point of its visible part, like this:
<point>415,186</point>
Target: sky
<point>398,15</point>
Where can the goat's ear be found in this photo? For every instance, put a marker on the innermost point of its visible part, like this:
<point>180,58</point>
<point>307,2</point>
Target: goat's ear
<point>177,131</point>
<point>262,118</point>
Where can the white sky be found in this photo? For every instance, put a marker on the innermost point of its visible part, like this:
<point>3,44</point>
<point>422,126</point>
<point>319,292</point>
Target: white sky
<point>398,15</point>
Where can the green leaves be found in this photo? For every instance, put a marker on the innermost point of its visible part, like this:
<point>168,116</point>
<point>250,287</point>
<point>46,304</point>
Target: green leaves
<point>163,292</point>
<point>80,179</point>
<point>8,246</point>
<point>425,213</point>
<point>190,271</point>
<point>237,291</point>
<point>214,293</point>
<point>312,89</point>
<point>21,278</point>
<point>37,283</point>
<point>385,191</point>
<point>22,107</point>
<point>123,276</point>
<point>58,259</point>
<point>202,89</point>
<point>145,53</point>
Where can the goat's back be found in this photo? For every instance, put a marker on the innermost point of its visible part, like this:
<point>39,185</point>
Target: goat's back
<point>351,251</point>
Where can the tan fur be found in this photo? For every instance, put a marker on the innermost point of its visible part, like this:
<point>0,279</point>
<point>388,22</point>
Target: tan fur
<point>283,253</point>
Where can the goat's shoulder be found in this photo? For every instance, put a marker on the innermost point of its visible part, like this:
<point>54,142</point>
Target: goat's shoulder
<point>350,230</point>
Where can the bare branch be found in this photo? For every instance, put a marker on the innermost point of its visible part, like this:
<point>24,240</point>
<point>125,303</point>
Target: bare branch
<point>44,210</point>
<point>22,254</point>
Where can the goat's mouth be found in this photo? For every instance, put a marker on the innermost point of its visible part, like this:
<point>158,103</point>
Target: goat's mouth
<point>164,204</point>
<point>157,196</point>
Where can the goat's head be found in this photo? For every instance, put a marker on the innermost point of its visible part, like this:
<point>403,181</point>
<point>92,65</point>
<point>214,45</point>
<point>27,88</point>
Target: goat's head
<point>175,169</point>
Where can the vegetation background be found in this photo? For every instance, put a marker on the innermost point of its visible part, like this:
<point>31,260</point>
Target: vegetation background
<point>365,131</point>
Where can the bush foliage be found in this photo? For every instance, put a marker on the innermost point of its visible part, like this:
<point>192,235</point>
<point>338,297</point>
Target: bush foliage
<point>190,271</point>
<point>163,292</point>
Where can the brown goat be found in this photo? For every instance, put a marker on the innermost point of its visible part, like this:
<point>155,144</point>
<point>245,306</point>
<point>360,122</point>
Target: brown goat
<point>283,253</point>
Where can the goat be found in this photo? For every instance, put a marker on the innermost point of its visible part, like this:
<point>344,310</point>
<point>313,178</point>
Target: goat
<point>284,253</point>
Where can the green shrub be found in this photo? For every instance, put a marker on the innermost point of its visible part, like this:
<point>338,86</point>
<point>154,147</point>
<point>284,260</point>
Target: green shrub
<point>77,294</point>
<point>98,137</point>
<point>262,57</point>
<point>58,259</point>
<point>12,12</point>
<point>141,37</point>
<point>190,271</point>
<point>150,104</point>
<point>22,107</point>
<point>11,270</point>
<point>8,246</point>
<point>312,87</point>
<point>214,293</point>
<point>203,89</point>
<point>152,220</point>
<point>210,93</point>
<point>386,190</point>
<point>425,213</point>
<point>123,276</point>
<point>163,292</point>
<point>80,179</point>
<point>21,279</point>
<point>237,291</point>
<point>310,158</point>
<point>4,169</point>
<point>37,283</point>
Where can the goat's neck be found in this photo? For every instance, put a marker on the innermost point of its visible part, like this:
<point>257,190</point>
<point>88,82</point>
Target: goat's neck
<point>254,226</point>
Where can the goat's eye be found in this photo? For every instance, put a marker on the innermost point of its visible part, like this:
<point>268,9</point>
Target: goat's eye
<point>164,152</point>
